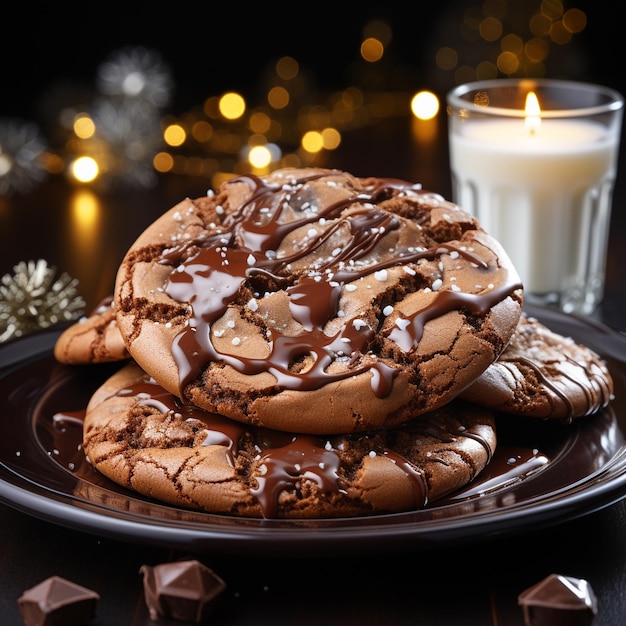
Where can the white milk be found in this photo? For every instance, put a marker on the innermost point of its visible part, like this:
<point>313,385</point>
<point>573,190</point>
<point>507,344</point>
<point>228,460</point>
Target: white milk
<point>545,195</point>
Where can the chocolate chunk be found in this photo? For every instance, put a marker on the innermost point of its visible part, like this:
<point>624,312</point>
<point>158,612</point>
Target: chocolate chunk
<point>558,601</point>
<point>183,590</point>
<point>58,602</point>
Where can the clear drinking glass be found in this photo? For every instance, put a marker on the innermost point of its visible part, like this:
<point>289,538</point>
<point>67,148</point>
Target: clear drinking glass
<point>535,160</point>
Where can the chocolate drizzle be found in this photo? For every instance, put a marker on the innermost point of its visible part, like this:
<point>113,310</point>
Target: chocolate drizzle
<point>408,335</point>
<point>592,400</point>
<point>282,461</point>
<point>210,273</point>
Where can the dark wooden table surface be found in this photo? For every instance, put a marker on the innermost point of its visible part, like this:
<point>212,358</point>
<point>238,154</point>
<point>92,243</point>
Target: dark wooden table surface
<point>473,583</point>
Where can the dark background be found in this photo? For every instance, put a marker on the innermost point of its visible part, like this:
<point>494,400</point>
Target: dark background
<point>212,47</point>
<point>53,51</point>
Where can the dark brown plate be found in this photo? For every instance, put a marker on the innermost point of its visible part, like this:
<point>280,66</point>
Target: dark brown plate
<point>43,473</point>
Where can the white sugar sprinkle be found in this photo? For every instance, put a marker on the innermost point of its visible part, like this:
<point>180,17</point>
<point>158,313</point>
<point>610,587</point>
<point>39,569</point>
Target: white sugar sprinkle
<point>380,275</point>
<point>388,310</point>
<point>402,323</point>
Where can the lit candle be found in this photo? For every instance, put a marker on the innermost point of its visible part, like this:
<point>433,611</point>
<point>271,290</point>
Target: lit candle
<point>540,182</point>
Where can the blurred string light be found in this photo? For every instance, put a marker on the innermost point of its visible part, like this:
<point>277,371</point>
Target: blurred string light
<point>125,137</point>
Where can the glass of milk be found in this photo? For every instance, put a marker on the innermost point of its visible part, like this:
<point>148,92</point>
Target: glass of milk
<point>535,161</point>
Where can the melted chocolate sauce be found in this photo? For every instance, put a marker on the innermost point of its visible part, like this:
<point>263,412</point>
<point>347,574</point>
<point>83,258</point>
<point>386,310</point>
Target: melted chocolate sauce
<point>209,274</point>
<point>288,458</point>
<point>549,383</point>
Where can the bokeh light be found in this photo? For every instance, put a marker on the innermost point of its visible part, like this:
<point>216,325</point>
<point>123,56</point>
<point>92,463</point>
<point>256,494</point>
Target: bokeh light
<point>232,105</point>
<point>85,169</point>
<point>425,105</point>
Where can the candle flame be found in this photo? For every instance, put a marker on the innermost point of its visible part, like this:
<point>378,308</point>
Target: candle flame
<point>533,113</point>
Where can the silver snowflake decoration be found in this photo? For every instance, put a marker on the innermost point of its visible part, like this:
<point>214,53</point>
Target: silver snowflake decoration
<point>128,136</point>
<point>137,74</point>
<point>21,146</point>
<point>32,299</point>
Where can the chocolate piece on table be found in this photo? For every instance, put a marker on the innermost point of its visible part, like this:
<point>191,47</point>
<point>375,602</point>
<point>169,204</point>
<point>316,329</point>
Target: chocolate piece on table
<point>559,601</point>
<point>56,602</point>
<point>183,590</point>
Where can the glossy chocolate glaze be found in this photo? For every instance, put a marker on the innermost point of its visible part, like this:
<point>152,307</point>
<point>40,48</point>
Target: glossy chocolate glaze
<point>287,457</point>
<point>42,458</point>
<point>209,273</point>
<point>548,382</point>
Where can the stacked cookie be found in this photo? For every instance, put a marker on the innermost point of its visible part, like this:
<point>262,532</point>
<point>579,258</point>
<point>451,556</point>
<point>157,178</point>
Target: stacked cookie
<point>312,344</point>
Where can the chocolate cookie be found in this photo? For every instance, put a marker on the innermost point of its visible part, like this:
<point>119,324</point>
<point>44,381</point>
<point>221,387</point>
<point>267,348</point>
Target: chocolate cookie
<point>92,339</point>
<point>142,437</point>
<point>543,374</point>
<point>316,302</point>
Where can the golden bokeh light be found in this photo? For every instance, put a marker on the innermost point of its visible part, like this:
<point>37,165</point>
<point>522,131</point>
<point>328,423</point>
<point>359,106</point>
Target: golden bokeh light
<point>446,58</point>
<point>372,50</point>
<point>425,105</point>
<point>508,63</point>
<point>174,135</point>
<point>163,162</point>
<point>291,124</point>
<point>260,122</point>
<point>278,97</point>
<point>525,34</point>
<point>491,29</point>
<point>312,141</point>
<point>83,126</point>
<point>536,50</point>
<point>201,131</point>
<point>232,105</point>
<point>85,169</point>
<point>259,157</point>
<point>574,20</point>
<point>331,138</point>
<point>287,68</point>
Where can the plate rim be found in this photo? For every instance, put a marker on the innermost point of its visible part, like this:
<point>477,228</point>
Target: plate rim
<point>599,490</point>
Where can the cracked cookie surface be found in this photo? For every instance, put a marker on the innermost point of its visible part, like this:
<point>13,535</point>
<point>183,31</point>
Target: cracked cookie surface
<point>92,339</point>
<point>544,374</point>
<point>142,437</point>
<point>314,301</point>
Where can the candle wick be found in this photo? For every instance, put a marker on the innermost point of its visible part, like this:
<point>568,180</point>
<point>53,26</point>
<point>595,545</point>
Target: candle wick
<point>532,125</point>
